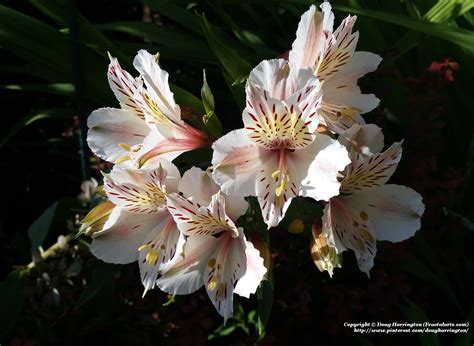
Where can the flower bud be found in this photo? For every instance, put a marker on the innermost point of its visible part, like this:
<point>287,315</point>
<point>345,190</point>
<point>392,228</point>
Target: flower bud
<point>324,255</point>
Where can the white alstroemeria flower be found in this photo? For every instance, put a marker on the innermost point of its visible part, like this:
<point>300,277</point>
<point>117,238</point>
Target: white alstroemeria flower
<point>149,122</point>
<point>367,210</point>
<point>140,226</point>
<point>332,57</point>
<point>216,254</point>
<point>278,156</point>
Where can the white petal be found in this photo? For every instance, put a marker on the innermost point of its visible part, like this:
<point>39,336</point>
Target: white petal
<point>280,79</point>
<point>226,265</point>
<point>195,219</point>
<point>125,88</point>
<point>254,272</point>
<point>368,172</point>
<point>198,185</point>
<point>278,181</point>
<point>329,158</point>
<point>290,123</point>
<point>122,235</point>
<point>342,90</point>
<point>236,161</point>
<point>185,276</point>
<point>393,210</point>
<point>365,139</point>
<point>340,48</point>
<point>157,84</point>
<point>345,229</point>
<point>157,250</point>
<point>310,39</point>
<point>109,127</point>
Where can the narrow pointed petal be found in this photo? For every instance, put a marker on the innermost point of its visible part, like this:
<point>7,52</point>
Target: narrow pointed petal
<point>186,274</point>
<point>122,235</point>
<point>157,250</point>
<point>125,88</point>
<point>158,88</point>
<point>110,127</point>
<point>273,123</point>
<point>340,48</point>
<point>254,272</point>
<point>236,162</point>
<point>393,210</point>
<point>226,265</point>
<point>328,157</point>
<point>275,189</point>
<point>368,172</point>
<point>141,191</point>
<point>311,36</point>
<point>345,229</point>
<point>194,219</point>
<point>366,139</point>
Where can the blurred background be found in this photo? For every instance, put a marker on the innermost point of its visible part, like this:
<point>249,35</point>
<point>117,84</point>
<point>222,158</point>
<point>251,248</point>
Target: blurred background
<point>53,63</point>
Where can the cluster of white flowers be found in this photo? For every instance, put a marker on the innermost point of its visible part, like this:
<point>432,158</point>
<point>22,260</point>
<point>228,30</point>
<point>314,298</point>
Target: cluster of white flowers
<point>303,135</point>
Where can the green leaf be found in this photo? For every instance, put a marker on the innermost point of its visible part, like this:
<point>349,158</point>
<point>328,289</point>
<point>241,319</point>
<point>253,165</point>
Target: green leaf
<point>210,119</point>
<point>27,38</point>
<point>448,10</point>
<point>233,65</point>
<point>176,13</point>
<point>177,45</point>
<point>11,301</point>
<point>102,277</point>
<point>416,314</point>
<point>265,304</point>
<point>461,37</point>
<point>53,218</point>
<point>420,270</point>
<point>30,119</point>
<point>60,12</point>
<point>40,228</point>
<point>53,88</point>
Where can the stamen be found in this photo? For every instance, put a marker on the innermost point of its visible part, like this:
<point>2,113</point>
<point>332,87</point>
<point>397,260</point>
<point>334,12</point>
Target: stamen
<point>152,257</point>
<point>122,159</point>
<point>144,246</point>
<point>125,146</point>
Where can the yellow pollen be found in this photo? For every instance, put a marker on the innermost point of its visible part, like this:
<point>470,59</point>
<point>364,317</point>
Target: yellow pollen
<point>211,286</point>
<point>122,159</point>
<point>152,257</point>
<point>125,146</point>
<point>212,262</point>
<point>364,216</point>
<point>275,174</point>
<point>144,246</point>
<point>280,189</point>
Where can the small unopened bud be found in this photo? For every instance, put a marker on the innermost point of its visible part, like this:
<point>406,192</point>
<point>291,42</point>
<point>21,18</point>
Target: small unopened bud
<point>324,255</point>
<point>296,226</point>
<point>96,218</point>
